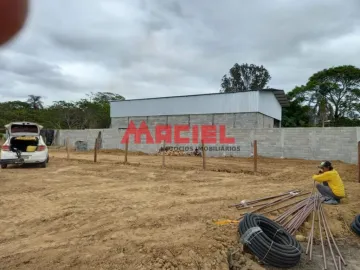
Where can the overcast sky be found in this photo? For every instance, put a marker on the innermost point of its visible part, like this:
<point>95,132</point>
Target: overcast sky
<point>151,48</point>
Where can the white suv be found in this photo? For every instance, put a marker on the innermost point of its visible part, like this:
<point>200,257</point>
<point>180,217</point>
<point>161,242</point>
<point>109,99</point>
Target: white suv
<point>24,145</point>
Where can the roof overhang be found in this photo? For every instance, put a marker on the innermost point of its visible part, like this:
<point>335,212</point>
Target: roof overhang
<point>279,95</point>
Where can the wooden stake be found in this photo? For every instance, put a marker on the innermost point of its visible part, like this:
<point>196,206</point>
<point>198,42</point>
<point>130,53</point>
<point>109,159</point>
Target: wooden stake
<point>126,151</point>
<point>203,154</point>
<point>163,155</point>
<point>67,148</point>
<point>95,150</point>
<point>255,155</point>
<point>359,161</point>
<point>99,140</point>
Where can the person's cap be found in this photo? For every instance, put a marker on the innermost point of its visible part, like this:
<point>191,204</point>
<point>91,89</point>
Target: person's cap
<point>325,164</point>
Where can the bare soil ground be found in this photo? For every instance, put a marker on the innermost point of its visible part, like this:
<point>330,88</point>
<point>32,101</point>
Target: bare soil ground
<point>106,215</point>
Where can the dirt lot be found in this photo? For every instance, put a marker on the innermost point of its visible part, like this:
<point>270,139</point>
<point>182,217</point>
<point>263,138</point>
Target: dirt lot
<point>82,215</point>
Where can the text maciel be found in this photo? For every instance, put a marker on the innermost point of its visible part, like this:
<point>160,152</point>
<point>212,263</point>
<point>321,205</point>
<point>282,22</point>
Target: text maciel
<point>163,133</point>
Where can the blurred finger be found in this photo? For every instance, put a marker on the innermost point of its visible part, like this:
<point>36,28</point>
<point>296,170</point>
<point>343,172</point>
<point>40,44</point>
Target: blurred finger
<point>13,14</point>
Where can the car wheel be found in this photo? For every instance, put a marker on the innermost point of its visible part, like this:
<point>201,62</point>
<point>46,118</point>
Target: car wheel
<point>43,165</point>
<point>47,160</point>
<point>3,166</point>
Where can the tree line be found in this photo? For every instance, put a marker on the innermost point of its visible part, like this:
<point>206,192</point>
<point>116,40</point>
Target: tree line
<point>330,97</point>
<point>87,113</point>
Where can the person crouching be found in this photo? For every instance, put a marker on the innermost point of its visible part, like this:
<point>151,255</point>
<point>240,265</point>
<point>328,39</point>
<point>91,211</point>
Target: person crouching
<point>330,184</point>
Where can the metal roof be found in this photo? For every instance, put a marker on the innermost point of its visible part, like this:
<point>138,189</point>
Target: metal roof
<point>279,95</point>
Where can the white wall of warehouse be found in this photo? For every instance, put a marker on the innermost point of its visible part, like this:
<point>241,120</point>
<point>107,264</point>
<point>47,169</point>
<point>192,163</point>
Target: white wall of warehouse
<point>269,105</point>
<point>243,102</point>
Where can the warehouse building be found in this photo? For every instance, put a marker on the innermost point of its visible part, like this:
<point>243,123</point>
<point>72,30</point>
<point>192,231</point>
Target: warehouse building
<point>251,109</point>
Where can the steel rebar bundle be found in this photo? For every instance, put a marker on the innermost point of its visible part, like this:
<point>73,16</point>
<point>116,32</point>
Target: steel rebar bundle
<point>325,234</point>
<point>292,219</point>
<point>250,204</point>
<point>296,215</point>
<point>324,227</point>
<point>280,200</point>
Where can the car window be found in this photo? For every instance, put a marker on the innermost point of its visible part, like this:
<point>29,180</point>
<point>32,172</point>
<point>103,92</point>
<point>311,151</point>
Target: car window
<point>24,129</point>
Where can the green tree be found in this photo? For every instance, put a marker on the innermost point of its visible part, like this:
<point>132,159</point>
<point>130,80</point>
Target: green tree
<point>332,94</point>
<point>16,105</point>
<point>66,115</point>
<point>99,106</point>
<point>338,87</point>
<point>321,109</point>
<point>297,114</point>
<point>91,112</point>
<point>17,111</point>
<point>35,102</point>
<point>245,77</point>
<point>105,97</point>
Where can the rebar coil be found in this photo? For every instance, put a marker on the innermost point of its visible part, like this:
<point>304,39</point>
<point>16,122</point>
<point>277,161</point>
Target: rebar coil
<point>269,242</point>
<point>355,225</point>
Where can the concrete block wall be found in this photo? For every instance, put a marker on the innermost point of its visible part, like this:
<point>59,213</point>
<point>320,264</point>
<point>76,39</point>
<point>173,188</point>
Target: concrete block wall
<point>120,122</point>
<point>225,119</point>
<point>302,143</point>
<point>240,120</point>
<point>110,137</point>
<point>246,120</point>
<point>138,119</point>
<point>157,120</point>
<point>178,120</point>
<point>264,121</point>
<point>202,119</point>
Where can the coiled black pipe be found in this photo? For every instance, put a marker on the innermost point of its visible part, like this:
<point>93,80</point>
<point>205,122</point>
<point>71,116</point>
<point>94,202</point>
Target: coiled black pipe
<point>355,225</point>
<point>269,242</point>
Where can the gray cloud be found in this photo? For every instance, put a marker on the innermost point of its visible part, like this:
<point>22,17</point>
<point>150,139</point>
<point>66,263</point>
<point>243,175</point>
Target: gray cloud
<point>30,70</point>
<point>146,48</point>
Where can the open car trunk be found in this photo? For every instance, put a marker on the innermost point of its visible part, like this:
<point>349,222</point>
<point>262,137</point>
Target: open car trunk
<point>24,143</point>
<point>23,129</point>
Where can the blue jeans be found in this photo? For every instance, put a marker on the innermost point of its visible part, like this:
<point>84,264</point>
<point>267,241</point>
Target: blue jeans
<point>326,191</point>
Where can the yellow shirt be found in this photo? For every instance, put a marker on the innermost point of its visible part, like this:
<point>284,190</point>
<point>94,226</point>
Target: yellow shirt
<point>334,180</point>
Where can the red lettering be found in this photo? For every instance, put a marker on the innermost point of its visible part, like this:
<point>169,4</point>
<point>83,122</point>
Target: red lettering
<point>208,134</point>
<point>223,138</point>
<point>178,129</point>
<point>160,136</point>
<point>131,130</point>
<point>163,133</point>
<point>195,134</point>
<point>142,130</point>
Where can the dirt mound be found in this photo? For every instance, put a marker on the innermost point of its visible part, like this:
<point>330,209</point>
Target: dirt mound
<point>170,151</point>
